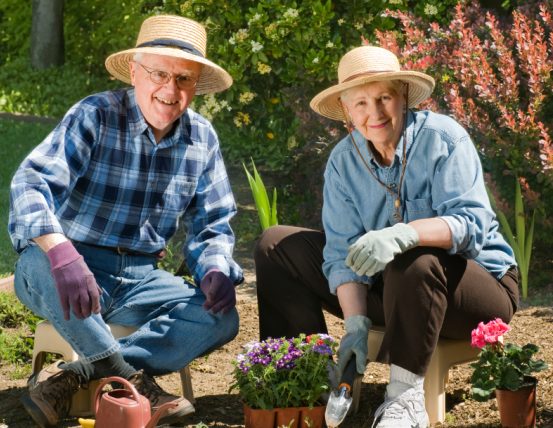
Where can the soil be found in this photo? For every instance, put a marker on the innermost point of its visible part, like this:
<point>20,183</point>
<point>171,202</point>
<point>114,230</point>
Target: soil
<point>211,375</point>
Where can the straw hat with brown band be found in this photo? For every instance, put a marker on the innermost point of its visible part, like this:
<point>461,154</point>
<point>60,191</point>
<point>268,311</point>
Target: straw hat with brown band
<point>174,36</point>
<point>367,64</point>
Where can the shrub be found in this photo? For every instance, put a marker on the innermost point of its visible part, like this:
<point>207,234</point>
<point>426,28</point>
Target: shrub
<point>494,76</point>
<point>280,53</point>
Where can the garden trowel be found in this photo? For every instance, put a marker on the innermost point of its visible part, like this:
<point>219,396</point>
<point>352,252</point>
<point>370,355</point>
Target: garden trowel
<point>340,400</point>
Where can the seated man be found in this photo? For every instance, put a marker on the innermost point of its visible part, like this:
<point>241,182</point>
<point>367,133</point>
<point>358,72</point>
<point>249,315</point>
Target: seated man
<point>92,209</point>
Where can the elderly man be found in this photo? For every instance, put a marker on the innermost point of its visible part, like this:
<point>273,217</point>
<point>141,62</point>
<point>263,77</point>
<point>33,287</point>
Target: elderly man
<point>92,209</point>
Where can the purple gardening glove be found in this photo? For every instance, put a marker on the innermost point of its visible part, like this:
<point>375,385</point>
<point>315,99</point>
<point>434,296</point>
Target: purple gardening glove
<point>219,292</point>
<point>76,285</point>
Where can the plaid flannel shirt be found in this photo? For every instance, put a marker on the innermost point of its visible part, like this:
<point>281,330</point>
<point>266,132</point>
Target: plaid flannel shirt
<point>100,178</point>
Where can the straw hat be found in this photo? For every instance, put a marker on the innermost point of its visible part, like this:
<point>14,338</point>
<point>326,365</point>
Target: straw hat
<point>367,64</point>
<point>174,36</point>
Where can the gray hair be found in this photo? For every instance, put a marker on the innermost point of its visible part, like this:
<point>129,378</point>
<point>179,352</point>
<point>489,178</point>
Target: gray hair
<point>137,56</point>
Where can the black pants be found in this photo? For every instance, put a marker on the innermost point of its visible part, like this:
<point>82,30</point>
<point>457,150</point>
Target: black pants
<point>422,294</point>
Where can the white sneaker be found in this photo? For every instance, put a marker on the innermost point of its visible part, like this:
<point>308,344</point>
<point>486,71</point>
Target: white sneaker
<point>404,411</point>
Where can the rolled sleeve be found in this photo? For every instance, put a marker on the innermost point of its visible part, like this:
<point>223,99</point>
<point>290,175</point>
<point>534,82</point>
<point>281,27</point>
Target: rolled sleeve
<point>460,199</point>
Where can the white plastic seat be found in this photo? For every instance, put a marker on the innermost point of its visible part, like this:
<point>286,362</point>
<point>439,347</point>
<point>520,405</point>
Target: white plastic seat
<point>447,354</point>
<point>49,341</point>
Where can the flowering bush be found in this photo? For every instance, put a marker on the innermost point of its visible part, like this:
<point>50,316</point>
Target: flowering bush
<point>500,366</point>
<point>494,75</point>
<point>284,372</point>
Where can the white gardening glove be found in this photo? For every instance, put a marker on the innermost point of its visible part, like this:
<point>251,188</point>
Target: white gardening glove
<point>354,342</point>
<point>375,249</point>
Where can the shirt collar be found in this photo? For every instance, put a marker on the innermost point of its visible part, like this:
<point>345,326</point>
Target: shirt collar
<point>139,126</point>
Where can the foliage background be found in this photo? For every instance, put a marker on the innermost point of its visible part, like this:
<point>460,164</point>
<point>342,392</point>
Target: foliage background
<point>280,54</point>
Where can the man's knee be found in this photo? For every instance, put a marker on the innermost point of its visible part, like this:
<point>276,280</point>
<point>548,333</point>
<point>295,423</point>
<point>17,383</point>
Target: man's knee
<point>228,326</point>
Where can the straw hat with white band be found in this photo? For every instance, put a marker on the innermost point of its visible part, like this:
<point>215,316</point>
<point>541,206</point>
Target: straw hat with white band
<point>177,37</point>
<point>367,64</point>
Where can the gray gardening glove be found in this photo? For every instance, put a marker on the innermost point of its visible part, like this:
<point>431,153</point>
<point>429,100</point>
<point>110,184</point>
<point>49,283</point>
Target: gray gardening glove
<point>375,249</point>
<point>354,342</point>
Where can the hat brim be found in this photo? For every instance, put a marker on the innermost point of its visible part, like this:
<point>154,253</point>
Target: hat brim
<point>212,78</point>
<point>327,102</point>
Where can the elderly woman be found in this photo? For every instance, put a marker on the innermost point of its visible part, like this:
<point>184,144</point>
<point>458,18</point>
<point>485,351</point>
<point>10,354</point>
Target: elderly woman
<point>410,241</point>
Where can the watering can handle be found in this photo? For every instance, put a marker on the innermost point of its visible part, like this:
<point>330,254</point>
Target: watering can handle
<point>108,380</point>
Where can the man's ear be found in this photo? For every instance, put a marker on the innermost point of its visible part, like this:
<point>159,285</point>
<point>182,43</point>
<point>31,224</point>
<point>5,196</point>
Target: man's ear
<point>132,70</point>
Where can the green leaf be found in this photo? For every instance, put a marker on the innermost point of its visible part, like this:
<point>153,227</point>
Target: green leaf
<point>520,225</point>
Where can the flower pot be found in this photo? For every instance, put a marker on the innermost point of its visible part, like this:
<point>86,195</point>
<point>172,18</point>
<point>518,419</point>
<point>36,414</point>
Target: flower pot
<point>302,417</point>
<point>517,409</point>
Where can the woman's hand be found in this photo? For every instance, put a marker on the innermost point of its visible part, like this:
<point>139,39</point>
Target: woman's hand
<point>354,343</point>
<point>375,249</point>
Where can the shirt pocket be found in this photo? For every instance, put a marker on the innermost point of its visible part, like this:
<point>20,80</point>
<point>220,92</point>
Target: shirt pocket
<point>177,194</point>
<point>419,208</point>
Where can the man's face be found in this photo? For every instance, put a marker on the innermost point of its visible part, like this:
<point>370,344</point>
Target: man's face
<point>162,103</point>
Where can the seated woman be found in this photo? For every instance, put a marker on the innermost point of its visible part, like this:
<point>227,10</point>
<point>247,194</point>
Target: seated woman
<point>410,241</point>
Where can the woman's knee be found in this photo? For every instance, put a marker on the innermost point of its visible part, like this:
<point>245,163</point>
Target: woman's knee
<point>267,241</point>
<point>414,267</point>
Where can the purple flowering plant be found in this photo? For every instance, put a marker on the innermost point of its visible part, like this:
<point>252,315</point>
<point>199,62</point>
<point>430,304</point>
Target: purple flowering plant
<point>284,372</point>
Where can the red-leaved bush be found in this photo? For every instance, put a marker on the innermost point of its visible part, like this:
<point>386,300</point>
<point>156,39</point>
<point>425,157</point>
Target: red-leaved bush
<point>494,77</point>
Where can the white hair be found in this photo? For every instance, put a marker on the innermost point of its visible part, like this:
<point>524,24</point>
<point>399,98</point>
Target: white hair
<point>347,94</point>
<point>137,56</point>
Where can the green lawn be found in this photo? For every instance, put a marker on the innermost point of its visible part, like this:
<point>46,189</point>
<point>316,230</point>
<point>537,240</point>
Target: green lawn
<point>18,139</point>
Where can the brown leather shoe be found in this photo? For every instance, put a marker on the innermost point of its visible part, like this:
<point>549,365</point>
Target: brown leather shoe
<point>147,386</point>
<point>50,394</point>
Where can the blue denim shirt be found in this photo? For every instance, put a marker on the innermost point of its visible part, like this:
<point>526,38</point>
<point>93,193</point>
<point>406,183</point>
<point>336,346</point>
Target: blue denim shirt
<point>443,178</point>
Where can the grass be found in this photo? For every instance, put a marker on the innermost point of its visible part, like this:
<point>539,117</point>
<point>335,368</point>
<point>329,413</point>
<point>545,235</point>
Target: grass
<point>17,324</point>
<point>18,139</point>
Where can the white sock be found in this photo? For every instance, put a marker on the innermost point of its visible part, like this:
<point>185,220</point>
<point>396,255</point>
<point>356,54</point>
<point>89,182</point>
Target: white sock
<point>401,380</point>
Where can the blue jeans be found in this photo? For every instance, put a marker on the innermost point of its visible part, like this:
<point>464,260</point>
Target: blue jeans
<point>173,327</point>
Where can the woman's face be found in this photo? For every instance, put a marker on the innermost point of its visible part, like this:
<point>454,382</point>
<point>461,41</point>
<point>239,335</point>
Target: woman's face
<point>376,110</point>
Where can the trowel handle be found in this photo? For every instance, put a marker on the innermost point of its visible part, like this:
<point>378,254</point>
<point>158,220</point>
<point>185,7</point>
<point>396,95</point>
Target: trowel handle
<point>349,373</point>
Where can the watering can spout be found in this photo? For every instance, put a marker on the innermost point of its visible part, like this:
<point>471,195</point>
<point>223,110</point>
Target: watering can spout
<point>159,413</point>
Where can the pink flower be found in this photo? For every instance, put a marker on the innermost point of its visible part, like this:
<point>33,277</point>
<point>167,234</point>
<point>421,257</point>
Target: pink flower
<point>489,333</point>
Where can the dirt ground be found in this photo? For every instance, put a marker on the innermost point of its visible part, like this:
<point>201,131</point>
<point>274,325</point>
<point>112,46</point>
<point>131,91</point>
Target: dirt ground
<point>211,376</point>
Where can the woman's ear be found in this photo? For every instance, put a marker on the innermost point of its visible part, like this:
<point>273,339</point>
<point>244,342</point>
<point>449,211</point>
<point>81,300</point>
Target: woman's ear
<point>405,96</point>
<point>347,117</point>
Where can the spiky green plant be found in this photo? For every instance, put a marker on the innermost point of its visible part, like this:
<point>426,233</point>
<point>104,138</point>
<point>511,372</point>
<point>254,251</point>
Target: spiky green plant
<point>521,241</point>
<point>266,210</point>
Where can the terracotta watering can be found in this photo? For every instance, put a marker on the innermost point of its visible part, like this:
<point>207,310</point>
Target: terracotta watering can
<point>124,408</point>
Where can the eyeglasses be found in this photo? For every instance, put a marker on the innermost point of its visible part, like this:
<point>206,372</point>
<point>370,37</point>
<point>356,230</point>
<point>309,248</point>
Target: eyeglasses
<point>160,77</point>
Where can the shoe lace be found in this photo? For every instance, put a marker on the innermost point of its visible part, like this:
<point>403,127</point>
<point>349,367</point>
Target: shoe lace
<point>147,386</point>
<point>60,390</point>
<point>394,408</point>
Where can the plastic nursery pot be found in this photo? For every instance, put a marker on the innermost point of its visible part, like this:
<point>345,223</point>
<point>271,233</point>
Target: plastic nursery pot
<point>517,409</point>
<point>293,417</point>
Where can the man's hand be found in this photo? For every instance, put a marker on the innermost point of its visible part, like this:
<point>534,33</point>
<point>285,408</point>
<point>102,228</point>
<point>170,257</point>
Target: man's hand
<point>219,292</point>
<point>354,343</point>
<point>375,249</point>
<point>75,283</point>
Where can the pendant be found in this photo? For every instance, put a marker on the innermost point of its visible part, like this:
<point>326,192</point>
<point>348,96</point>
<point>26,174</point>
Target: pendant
<point>397,203</point>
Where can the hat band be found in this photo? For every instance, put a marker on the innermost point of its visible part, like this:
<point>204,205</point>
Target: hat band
<point>172,43</point>
<point>367,73</point>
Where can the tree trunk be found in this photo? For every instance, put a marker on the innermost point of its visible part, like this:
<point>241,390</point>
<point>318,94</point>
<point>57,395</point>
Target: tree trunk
<point>47,48</point>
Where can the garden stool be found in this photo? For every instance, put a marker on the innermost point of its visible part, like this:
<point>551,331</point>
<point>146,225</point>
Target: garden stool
<point>448,353</point>
<point>49,341</point>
